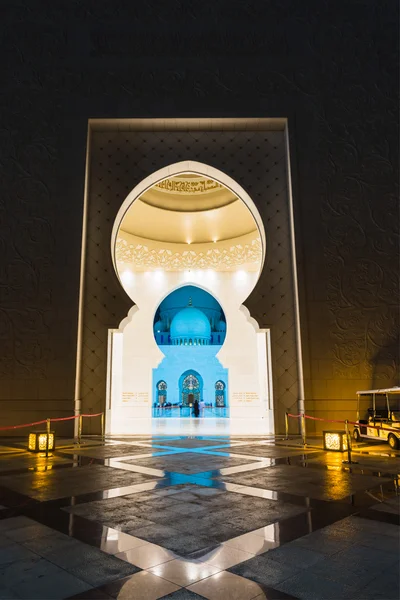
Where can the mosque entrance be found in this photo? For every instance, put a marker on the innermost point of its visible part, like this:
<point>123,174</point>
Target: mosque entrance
<point>188,248</point>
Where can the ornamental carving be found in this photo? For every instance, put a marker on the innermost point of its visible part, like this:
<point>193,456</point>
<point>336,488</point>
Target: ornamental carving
<point>215,258</point>
<point>188,186</point>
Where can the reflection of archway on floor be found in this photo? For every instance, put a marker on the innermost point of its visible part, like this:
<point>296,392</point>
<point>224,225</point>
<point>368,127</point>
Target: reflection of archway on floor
<point>190,387</point>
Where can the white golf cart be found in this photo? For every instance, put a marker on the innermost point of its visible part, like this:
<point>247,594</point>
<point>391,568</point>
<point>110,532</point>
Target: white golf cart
<point>383,411</point>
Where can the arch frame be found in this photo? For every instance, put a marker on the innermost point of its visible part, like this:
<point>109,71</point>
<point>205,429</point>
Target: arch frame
<point>150,125</point>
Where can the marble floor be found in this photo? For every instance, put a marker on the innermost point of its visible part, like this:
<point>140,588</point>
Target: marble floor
<point>198,517</point>
<point>214,426</point>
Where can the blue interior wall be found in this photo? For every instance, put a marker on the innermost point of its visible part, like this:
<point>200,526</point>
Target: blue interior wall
<point>179,359</point>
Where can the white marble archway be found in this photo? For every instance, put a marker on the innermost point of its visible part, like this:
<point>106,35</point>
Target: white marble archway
<point>261,423</point>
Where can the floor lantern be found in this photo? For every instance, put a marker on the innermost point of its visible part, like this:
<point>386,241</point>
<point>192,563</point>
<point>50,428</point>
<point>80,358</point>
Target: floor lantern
<point>40,441</point>
<point>335,441</point>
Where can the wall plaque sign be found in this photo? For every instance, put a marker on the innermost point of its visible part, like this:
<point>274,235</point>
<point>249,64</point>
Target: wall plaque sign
<point>135,397</point>
<point>245,397</point>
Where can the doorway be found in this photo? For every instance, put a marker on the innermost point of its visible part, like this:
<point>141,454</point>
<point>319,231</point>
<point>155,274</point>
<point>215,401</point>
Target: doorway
<point>190,388</point>
<point>188,228</point>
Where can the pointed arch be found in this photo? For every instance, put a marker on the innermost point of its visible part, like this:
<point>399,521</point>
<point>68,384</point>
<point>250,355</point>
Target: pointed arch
<point>190,383</point>
<point>161,391</point>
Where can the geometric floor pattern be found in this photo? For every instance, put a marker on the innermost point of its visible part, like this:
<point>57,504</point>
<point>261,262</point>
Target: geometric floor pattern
<point>191,518</point>
<point>199,517</point>
<point>189,462</point>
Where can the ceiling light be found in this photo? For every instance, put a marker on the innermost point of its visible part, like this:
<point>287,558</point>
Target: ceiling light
<point>127,277</point>
<point>241,275</point>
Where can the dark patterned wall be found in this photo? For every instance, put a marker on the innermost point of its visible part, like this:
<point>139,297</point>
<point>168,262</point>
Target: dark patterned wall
<point>119,160</point>
<point>329,66</point>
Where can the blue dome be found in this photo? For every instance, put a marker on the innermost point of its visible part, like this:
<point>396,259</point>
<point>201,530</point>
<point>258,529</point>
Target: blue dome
<point>190,323</point>
<point>221,326</point>
<point>180,297</point>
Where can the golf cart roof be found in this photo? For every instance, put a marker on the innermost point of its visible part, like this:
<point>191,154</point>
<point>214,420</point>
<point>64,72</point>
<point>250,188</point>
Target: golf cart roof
<point>392,390</point>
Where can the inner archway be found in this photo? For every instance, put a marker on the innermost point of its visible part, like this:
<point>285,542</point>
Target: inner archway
<point>191,388</point>
<point>188,225</point>
<point>190,330</point>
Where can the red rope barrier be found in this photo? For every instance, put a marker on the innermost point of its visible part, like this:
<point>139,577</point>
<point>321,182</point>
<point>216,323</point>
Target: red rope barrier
<point>96,415</point>
<point>24,425</point>
<point>348,422</point>
<point>45,421</point>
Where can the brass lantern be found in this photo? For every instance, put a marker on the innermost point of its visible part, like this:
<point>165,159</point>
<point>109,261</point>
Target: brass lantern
<point>40,441</point>
<point>335,441</point>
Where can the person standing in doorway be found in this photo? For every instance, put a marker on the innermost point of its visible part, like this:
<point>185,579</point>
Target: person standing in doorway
<point>196,409</point>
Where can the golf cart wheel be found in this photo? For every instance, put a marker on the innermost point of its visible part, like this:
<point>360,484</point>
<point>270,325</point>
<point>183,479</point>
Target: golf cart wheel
<point>393,441</point>
<point>356,435</point>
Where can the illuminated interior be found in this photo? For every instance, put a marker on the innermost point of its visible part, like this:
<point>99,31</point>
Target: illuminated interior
<point>188,230</point>
<point>178,230</point>
<point>190,330</point>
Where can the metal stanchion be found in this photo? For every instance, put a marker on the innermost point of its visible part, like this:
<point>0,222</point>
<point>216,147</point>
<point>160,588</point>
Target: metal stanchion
<point>303,430</point>
<point>80,428</point>
<point>286,426</point>
<point>76,441</point>
<point>396,485</point>
<point>47,437</point>
<point>348,438</point>
<point>103,432</point>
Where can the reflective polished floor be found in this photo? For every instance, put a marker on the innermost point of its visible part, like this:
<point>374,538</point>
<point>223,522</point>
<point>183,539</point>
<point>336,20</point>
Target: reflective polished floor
<point>198,517</point>
<point>185,412</point>
<point>212,425</point>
